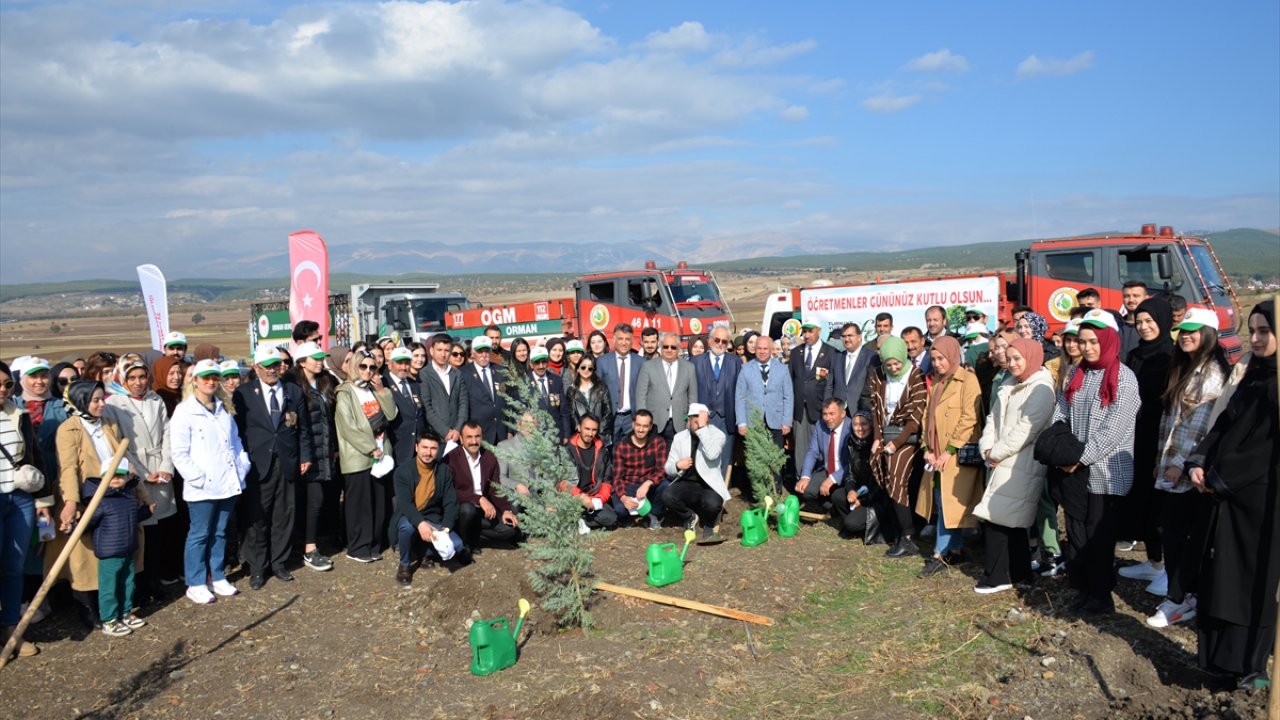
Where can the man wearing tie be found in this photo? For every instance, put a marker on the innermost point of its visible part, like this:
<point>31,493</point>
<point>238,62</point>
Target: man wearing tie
<point>443,395</point>
<point>821,471</point>
<point>275,429</point>
<point>765,385</point>
<point>410,418</point>
<point>548,388</point>
<point>484,392</point>
<point>667,387</point>
<point>619,369</point>
<point>851,366</point>
<point>717,373</point>
<point>811,376</point>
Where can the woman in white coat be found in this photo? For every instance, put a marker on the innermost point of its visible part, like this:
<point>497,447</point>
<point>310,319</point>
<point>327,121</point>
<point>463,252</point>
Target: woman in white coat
<point>1022,408</point>
<point>144,421</point>
<point>207,452</point>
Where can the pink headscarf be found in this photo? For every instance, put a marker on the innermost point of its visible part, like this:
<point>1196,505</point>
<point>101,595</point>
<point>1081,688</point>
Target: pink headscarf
<point>1034,353</point>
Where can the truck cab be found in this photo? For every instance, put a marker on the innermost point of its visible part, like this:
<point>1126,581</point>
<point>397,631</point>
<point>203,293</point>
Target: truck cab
<point>679,300</point>
<point>414,311</point>
<point>1051,272</point>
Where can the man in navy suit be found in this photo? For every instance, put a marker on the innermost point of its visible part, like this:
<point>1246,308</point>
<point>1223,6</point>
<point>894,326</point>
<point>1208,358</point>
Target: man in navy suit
<point>851,366</point>
<point>411,418</point>
<point>822,470</point>
<point>275,429</point>
<point>917,350</point>
<point>717,374</point>
<point>812,380</point>
<point>548,388</point>
<point>620,371</point>
<point>486,404</point>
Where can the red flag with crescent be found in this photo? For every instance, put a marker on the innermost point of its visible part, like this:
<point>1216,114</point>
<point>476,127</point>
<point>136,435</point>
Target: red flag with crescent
<point>309,281</point>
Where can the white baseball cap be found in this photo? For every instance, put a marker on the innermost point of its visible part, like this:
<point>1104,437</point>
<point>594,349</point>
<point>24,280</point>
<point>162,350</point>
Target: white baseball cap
<point>401,353</point>
<point>207,367</point>
<point>539,353</point>
<point>229,368</point>
<point>481,342</point>
<point>266,355</point>
<point>1197,318</point>
<point>697,409</point>
<point>1072,328</point>
<point>574,346</point>
<point>175,338</point>
<point>1100,318</point>
<point>311,350</point>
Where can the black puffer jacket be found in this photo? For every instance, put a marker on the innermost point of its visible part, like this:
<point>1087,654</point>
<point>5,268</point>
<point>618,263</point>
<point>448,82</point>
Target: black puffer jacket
<point>115,523</point>
<point>324,440</point>
<point>597,402</point>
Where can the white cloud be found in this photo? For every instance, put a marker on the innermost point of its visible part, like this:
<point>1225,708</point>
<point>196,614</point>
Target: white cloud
<point>890,103</point>
<point>795,113</point>
<point>1036,67</point>
<point>752,53</point>
<point>688,36</point>
<point>942,60</point>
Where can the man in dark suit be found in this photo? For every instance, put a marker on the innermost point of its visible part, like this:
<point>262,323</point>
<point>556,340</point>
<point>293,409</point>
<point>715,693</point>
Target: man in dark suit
<point>444,392</point>
<point>851,366</point>
<point>411,418</point>
<point>275,429</point>
<point>548,388</point>
<point>483,514</point>
<point>822,470</point>
<point>812,380</point>
<point>717,374</point>
<point>485,403</point>
<point>917,350</point>
<point>620,371</point>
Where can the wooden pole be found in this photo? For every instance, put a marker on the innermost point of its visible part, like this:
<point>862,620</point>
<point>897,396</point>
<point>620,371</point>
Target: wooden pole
<point>687,604</point>
<point>817,517</point>
<point>52,576</point>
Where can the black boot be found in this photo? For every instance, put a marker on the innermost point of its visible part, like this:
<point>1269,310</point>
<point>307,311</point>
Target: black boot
<point>905,547</point>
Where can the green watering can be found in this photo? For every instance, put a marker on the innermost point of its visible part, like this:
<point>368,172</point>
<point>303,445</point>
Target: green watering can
<point>789,517</point>
<point>666,566</point>
<point>493,646</point>
<point>755,524</point>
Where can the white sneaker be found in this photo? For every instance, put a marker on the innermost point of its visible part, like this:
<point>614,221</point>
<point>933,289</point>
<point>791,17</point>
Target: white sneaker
<point>983,589</point>
<point>224,588</point>
<point>1160,586</point>
<point>1141,571</point>
<point>582,527</point>
<point>1171,613</point>
<point>200,595</point>
<point>1126,545</point>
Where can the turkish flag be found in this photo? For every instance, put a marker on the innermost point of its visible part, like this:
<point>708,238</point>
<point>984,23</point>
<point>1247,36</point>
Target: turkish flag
<point>309,284</point>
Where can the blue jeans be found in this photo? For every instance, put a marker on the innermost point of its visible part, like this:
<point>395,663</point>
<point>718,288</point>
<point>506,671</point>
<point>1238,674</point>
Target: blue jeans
<point>17,519</point>
<point>205,555</point>
<point>410,540</point>
<point>947,540</point>
<point>654,496</point>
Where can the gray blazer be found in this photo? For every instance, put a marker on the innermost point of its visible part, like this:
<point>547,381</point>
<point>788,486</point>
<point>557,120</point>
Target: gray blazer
<point>446,410</point>
<point>776,400</point>
<point>652,393</point>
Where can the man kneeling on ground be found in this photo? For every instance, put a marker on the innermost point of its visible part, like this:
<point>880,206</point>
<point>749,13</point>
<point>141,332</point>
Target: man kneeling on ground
<point>426,504</point>
<point>639,470</point>
<point>595,475</point>
<point>697,492</point>
<point>483,514</point>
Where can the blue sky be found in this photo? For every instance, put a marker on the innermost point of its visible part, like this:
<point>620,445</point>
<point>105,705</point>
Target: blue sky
<point>152,131</point>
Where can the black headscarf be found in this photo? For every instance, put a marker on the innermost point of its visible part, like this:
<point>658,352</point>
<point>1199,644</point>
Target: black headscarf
<point>1159,352</point>
<point>78,396</point>
<point>56,387</point>
<point>1266,365</point>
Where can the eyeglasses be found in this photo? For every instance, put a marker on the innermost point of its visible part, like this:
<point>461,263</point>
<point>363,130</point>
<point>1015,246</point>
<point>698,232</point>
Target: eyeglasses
<point>456,354</point>
<point>720,341</point>
<point>587,368</point>
<point>366,366</point>
<point>670,347</point>
<point>6,385</point>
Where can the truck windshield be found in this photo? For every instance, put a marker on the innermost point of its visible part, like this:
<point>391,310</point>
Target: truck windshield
<point>694,289</point>
<point>1202,260</point>
<point>429,314</point>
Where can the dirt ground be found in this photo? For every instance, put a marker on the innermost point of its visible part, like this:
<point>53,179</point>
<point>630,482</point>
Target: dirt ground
<point>855,635</point>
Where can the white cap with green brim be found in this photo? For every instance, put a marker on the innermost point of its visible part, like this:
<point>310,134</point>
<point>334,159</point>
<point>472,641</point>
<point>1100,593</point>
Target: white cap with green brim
<point>230,368</point>
<point>208,367</point>
<point>539,353</point>
<point>481,342</point>
<point>1072,328</point>
<point>401,354</point>
<point>574,346</point>
<point>175,338</point>
<point>1197,318</point>
<point>266,355</point>
<point>1100,318</point>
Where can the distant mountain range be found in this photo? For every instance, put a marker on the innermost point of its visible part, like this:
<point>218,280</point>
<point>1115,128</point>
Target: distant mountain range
<point>1243,252</point>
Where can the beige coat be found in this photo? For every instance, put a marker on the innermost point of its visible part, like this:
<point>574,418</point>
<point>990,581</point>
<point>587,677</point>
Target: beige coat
<point>958,417</point>
<point>355,437</point>
<point>1020,412</point>
<point>78,460</point>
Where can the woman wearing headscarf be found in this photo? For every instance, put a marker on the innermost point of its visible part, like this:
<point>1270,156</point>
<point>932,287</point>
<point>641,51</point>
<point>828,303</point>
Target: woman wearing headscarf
<point>141,416</point>
<point>1033,326</point>
<point>166,381</point>
<point>1022,408</point>
<point>336,363</point>
<point>1150,362</point>
<point>952,420</point>
<point>897,395</point>
<point>18,507</point>
<point>362,410</point>
<point>996,353</point>
<point>1236,464</point>
<point>555,351</point>
<point>1100,404</point>
<point>47,411</point>
<point>60,377</point>
<point>86,444</point>
<point>1196,381</point>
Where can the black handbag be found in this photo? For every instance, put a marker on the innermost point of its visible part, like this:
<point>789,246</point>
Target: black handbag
<point>891,432</point>
<point>969,456</point>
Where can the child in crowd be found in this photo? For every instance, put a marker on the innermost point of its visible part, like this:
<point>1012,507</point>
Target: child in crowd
<point>115,527</point>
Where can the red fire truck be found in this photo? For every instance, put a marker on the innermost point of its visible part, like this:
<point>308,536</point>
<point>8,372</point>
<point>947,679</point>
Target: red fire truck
<point>1047,277</point>
<point>678,300</point>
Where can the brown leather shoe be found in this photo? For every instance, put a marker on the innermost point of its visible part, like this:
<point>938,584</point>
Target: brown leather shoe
<point>25,649</point>
<point>404,575</point>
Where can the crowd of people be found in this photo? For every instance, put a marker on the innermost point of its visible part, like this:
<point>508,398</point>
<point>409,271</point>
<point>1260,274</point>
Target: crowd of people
<point>1130,421</point>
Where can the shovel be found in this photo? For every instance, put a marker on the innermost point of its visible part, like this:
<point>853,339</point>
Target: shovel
<point>524,610</point>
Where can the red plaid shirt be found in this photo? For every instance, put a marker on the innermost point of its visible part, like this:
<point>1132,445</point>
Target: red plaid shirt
<point>633,466</point>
